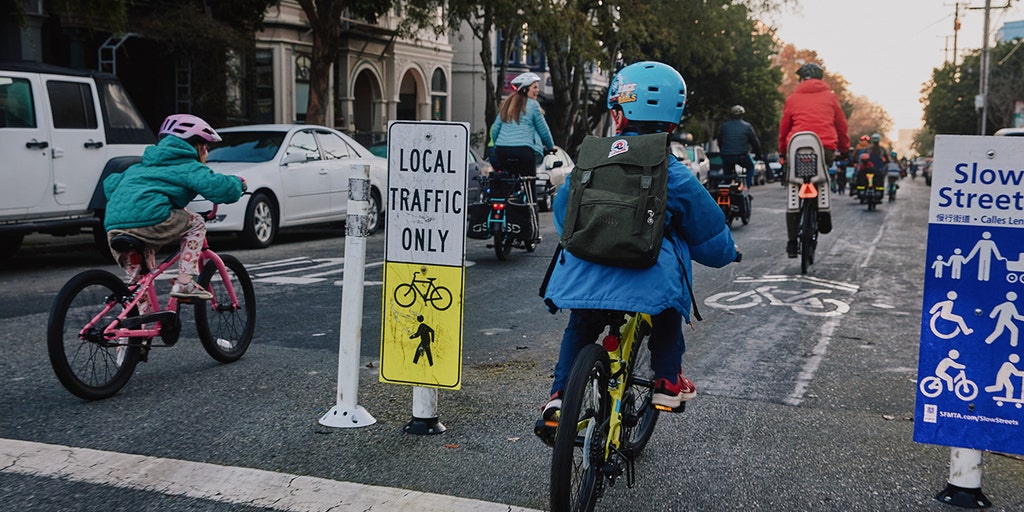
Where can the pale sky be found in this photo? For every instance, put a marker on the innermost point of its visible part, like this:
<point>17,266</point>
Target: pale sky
<point>886,49</point>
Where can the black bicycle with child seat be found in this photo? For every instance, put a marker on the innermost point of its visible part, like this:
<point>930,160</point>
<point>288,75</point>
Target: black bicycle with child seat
<point>96,334</point>
<point>607,415</point>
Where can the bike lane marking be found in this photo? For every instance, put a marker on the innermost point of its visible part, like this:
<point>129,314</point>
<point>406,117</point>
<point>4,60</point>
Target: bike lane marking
<point>828,328</point>
<point>872,246</point>
<point>225,484</point>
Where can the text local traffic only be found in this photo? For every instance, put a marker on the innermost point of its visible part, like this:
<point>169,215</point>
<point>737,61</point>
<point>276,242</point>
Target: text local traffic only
<point>426,200</point>
<point>974,174</point>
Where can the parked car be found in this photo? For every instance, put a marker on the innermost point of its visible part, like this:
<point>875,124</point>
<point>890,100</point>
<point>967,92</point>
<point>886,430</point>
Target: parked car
<point>379,149</point>
<point>475,166</point>
<point>1010,132</point>
<point>551,173</point>
<point>774,170</point>
<point>297,175</point>
<point>62,131</point>
<point>693,157</point>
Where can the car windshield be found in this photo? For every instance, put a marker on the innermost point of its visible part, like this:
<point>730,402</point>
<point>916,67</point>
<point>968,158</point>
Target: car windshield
<point>246,147</point>
<point>690,153</point>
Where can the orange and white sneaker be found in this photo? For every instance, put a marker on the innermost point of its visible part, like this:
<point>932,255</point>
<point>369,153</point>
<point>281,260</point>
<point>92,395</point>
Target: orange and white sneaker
<point>672,396</point>
<point>548,423</point>
<point>190,291</point>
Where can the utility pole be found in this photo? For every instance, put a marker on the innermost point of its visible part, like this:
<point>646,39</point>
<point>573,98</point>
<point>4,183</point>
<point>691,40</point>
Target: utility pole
<point>983,86</point>
<point>981,100</point>
<point>956,30</point>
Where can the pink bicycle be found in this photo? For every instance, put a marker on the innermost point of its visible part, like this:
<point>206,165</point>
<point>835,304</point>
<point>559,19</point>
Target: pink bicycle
<point>96,335</point>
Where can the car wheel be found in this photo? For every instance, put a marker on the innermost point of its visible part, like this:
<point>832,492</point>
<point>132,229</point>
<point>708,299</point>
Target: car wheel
<point>260,222</point>
<point>374,215</point>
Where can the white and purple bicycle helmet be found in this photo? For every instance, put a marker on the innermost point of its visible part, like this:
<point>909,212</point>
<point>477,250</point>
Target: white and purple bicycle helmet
<point>186,126</point>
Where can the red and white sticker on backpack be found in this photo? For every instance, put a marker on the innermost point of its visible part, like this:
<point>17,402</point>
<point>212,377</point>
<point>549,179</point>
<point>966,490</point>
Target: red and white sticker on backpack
<point>618,147</point>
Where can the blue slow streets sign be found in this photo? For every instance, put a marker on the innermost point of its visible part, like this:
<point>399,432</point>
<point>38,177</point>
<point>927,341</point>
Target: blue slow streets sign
<point>970,387</point>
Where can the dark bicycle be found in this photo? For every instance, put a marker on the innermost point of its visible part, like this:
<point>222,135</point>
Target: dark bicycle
<point>509,214</point>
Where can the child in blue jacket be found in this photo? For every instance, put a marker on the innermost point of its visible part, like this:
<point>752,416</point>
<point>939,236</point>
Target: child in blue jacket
<point>646,97</point>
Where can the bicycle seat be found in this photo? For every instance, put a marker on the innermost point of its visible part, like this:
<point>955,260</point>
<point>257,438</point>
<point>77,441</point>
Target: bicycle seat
<point>125,243</point>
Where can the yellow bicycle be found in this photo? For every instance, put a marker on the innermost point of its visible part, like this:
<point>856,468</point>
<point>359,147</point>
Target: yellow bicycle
<point>607,416</point>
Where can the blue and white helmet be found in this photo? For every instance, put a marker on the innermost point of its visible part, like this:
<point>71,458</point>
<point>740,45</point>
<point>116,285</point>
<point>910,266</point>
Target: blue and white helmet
<point>649,91</point>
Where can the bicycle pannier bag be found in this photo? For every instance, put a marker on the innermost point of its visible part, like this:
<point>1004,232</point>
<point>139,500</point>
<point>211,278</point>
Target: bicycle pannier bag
<point>617,196</point>
<point>478,227</point>
<point>520,220</point>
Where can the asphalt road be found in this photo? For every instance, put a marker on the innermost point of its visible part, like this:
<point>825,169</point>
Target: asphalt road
<point>796,411</point>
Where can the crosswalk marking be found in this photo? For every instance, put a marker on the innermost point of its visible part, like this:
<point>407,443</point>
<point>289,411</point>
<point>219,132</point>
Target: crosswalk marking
<point>224,484</point>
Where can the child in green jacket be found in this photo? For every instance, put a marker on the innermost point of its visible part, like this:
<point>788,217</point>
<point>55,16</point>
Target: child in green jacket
<point>147,200</point>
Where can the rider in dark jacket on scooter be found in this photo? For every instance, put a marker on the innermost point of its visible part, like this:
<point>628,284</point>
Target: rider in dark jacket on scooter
<point>736,138</point>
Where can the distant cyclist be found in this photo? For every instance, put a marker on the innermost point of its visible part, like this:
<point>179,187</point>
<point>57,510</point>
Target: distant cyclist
<point>645,97</point>
<point>812,107</point>
<point>736,138</point>
<point>520,133</point>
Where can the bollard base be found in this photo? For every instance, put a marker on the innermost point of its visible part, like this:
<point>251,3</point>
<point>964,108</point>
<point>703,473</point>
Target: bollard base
<point>963,497</point>
<point>342,417</point>
<point>424,426</point>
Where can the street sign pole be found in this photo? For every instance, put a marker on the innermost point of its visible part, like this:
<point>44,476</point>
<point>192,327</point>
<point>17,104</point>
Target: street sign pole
<point>963,488</point>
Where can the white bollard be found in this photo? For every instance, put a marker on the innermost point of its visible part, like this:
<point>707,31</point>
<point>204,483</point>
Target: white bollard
<point>424,412</point>
<point>346,413</point>
<point>964,486</point>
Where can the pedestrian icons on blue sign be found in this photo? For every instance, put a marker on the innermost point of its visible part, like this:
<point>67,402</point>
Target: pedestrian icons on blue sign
<point>1005,382</point>
<point>1005,314</point>
<point>981,255</point>
<point>964,388</point>
<point>944,310</point>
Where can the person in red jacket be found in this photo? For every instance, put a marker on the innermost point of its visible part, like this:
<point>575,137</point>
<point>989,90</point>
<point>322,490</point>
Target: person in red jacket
<point>813,107</point>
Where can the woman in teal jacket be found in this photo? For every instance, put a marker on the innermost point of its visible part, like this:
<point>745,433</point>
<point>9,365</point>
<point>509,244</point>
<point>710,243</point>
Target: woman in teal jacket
<point>147,200</point>
<point>520,133</point>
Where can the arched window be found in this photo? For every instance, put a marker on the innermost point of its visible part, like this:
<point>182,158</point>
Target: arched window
<point>439,96</point>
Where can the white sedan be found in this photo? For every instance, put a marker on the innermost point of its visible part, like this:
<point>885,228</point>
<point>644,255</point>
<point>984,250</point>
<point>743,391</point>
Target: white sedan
<point>296,175</point>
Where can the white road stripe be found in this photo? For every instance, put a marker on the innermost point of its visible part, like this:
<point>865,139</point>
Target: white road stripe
<point>871,250</point>
<point>226,484</point>
<point>813,362</point>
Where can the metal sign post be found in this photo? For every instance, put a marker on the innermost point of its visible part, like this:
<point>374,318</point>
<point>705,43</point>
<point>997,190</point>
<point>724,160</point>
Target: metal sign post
<point>424,267</point>
<point>970,388</point>
<point>346,413</point>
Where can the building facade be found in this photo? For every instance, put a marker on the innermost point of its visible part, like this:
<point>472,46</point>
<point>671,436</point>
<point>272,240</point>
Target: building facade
<point>377,78</point>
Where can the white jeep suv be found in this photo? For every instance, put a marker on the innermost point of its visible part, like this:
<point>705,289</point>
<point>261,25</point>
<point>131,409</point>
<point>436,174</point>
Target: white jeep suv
<point>61,132</point>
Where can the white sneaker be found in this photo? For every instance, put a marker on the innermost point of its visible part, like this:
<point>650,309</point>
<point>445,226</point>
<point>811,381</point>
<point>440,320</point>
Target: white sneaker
<point>190,291</point>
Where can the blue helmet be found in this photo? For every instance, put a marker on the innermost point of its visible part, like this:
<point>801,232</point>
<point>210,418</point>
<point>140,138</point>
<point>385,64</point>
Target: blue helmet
<point>649,91</point>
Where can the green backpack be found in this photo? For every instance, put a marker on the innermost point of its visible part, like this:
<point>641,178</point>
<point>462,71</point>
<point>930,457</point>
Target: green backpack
<point>617,196</point>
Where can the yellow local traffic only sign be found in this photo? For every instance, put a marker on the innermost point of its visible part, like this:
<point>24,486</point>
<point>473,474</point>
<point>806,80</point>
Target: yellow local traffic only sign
<point>424,267</point>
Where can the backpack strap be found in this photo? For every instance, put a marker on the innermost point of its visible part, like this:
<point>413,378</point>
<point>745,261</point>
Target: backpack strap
<point>547,278</point>
<point>641,206</point>
<point>576,194</point>
<point>693,301</point>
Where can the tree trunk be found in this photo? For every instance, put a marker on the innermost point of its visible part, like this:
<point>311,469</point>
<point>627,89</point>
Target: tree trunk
<point>324,53</point>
